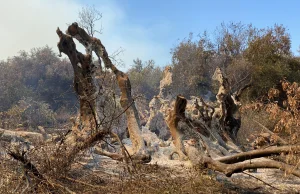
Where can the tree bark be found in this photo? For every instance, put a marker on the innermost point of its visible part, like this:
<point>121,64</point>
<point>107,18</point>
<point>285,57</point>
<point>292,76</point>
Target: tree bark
<point>229,105</point>
<point>172,120</point>
<point>127,102</point>
<point>23,136</point>
<point>229,169</point>
<point>259,153</point>
<point>84,84</point>
<point>229,164</point>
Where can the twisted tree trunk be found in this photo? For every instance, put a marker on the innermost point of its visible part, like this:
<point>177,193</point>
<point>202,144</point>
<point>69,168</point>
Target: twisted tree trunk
<point>172,120</point>
<point>199,149</point>
<point>84,85</point>
<point>229,104</point>
<point>127,102</point>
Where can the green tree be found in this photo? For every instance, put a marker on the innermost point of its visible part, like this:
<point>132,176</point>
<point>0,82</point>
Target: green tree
<point>271,59</point>
<point>145,78</point>
<point>39,75</point>
<point>192,62</point>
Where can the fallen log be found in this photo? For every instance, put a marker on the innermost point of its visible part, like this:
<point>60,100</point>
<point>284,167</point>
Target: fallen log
<point>23,136</point>
<point>270,151</point>
<point>229,169</point>
<point>198,157</point>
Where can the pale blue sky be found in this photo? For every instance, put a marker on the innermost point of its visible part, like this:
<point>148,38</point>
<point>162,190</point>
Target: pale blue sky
<point>175,19</point>
<point>145,29</point>
<point>184,16</point>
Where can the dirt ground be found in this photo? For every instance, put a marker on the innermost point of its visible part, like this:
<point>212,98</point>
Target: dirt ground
<point>99,174</point>
<point>173,176</point>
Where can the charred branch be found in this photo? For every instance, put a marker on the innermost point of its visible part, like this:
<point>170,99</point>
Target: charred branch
<point>26,163</point>
<point>229,169</point>
<point>270,151</point>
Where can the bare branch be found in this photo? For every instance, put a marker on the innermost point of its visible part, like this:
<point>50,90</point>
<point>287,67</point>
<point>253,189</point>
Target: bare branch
<point>261,181</point>
<point>88,17</point>
<point>27,164</point>
<point>229,169</point>
<point>274,150</point>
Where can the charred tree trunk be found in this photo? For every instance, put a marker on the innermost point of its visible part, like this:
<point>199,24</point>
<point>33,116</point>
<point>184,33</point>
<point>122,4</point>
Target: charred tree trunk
<point>203,154</point>
<point>229,104</point>
<point>127,102</point>
<point>173,119</point>
<point>84,85</point>
<point>229,169</point>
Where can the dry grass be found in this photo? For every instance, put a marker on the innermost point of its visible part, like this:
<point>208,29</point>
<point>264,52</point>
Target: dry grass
<point>142,179</point>
<point>250,129</point>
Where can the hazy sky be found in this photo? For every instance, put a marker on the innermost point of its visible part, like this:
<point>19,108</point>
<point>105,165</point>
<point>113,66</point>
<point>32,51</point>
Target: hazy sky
<point>147,29</point>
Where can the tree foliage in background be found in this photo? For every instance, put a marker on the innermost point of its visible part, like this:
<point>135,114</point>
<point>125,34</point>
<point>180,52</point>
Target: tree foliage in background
<point>193,63</point>
<point>145,78</point>
<point>246,54</point>
<point>271,59</point>
<point>243,52</point>
<point>29,114</point>
<point>38,75</point>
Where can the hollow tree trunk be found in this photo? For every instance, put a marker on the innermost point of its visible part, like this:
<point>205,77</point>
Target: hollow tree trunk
<point>84,85</point>
<point>227,165</point>
<point>228,107</point>
<point>173,119</point>
<point>127,102</point>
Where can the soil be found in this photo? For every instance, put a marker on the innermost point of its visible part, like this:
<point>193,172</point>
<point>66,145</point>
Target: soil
<point>173,176</point>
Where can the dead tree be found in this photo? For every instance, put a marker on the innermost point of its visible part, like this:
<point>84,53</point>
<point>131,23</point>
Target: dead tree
<point>127,101</point>
<point>229,103</point>
<point>203,151</point>
<point>159,106</point>
<point>173,119</point>
<point>85,85</point>
<point>216,155</point>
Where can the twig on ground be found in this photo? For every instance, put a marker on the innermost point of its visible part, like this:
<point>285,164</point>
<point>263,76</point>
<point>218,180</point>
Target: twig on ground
<point>83,183</point>
<point>261,181</point>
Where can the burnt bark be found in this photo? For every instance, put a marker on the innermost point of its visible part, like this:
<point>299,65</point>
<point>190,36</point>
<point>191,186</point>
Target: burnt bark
<point>127,101</point>
<point>229,104</point>
<point>229,169</point>
<point>26,163</point>
<point>227,165</point>
<point>271,151</point>
<point>84,83</point>
<point>175,115</point>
